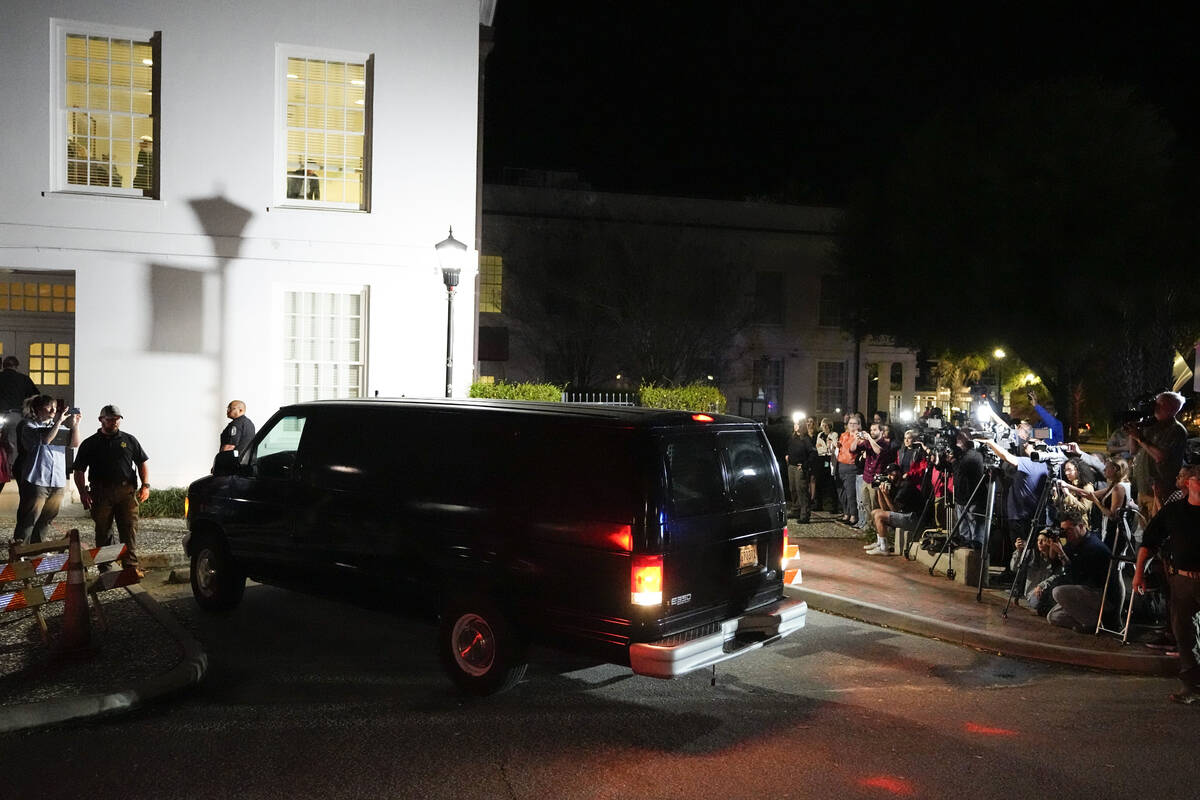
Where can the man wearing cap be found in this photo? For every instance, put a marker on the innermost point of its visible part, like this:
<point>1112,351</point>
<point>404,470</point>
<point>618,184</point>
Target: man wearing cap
<point>114,462</point>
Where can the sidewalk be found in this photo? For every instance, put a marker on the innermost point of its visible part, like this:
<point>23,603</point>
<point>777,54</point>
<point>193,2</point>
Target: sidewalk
<point>146,655</point>
<point>894,592</point>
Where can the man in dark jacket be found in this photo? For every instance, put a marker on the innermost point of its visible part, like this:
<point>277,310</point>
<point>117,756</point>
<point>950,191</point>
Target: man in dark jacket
<point>1077,603</point>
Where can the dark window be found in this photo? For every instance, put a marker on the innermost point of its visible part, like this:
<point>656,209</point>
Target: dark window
<point>829,312</point>
<point>493,343</point>
<point>768,298</point>
<point>694,482</point>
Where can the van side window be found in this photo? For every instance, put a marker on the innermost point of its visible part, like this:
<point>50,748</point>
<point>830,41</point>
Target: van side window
<point>752,481</point>
<point>694,482</point>
<point>276,451</point>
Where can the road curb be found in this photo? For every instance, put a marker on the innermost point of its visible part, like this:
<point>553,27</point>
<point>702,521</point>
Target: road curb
<point>189,671</point>
<point>1135,663</point>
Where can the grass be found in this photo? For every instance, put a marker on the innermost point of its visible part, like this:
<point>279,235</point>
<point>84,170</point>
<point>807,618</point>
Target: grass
<point>163,503</point>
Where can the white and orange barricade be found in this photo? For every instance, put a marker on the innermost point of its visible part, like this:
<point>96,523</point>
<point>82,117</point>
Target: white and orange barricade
<point>27,579</point>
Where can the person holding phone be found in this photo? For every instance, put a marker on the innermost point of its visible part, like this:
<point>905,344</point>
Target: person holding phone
<point>41,468</point>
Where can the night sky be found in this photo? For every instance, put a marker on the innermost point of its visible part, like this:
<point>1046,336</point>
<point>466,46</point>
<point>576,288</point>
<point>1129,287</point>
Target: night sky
<point>794,100</point>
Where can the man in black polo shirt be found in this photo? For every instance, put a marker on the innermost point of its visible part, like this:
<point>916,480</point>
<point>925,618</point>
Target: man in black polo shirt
<point>1179,524</point>
<point>239,431</point>
<point>114,462</point>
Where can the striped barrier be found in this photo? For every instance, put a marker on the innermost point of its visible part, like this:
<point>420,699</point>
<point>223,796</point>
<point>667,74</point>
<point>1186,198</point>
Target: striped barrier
<point>791,571</point>
<point>35,565</point>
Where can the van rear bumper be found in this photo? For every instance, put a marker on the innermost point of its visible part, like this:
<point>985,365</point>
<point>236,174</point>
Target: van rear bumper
<point>684,653</point>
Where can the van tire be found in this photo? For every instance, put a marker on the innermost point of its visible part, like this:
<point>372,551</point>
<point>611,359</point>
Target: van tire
<point>217,584</point>
<point>479,649</point>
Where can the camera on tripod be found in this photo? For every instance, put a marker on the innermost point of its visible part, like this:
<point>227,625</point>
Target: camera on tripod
<point>1140,414</point>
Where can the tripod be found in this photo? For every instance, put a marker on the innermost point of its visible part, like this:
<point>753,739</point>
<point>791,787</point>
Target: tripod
<point>948,545</point>
<point>1039,516</point>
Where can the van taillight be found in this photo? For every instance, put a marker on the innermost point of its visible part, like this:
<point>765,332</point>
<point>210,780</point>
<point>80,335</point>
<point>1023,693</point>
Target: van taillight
<point>783,558</point>
<point>645,580</point>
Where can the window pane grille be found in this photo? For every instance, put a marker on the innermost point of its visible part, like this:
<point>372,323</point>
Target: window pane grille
<point>49,363</point>
<point>41,297</point>
<point>108,107</point>
<point>323,346</point>
<point>491,279</point>
<point>831,385</point>
<point>326,131</point>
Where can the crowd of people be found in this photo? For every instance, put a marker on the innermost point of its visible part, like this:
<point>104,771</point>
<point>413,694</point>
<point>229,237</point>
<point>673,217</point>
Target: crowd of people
<point>1074,509</point>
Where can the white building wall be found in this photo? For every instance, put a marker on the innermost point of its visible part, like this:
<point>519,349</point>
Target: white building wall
<point>179,299</point>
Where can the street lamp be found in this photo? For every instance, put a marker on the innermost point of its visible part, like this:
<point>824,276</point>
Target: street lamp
<point>1000,354</point>
<point>451,253</point>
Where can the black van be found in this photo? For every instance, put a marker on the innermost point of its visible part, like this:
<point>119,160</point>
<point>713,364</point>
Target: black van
<point>643,537</point>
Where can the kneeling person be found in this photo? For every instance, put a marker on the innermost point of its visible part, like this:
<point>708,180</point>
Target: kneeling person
<point>900,502</point>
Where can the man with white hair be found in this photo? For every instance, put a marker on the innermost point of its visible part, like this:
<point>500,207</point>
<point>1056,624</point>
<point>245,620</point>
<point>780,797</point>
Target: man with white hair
<point>1164,441</point>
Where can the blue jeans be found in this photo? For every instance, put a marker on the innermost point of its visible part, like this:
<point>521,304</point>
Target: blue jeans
<point>38,508</point>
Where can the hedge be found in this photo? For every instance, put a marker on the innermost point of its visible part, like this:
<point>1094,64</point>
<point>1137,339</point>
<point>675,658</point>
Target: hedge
<point>163,503</point>
<point>695,397</point>
<point>543,392</point>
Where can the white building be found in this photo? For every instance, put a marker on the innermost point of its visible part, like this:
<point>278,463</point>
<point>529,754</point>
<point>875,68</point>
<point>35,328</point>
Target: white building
<point>207,201</point>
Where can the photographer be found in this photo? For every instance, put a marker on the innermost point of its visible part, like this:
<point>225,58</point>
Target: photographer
<point>900,504</point>
<point>911,453</point>
<point>1162,441</point>
<point>1077,600</point>
<point>1028,476</point>
<point>880,453</point>
<point>1046,569</point>
<point>1048,419</point>
<point>970,501</point>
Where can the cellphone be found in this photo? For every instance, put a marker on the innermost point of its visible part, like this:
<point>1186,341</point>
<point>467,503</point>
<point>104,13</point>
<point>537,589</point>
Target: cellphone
<point>74,410</point>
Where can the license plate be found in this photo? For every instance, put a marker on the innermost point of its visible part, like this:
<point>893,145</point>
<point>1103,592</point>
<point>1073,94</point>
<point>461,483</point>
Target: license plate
<point>747,556</point>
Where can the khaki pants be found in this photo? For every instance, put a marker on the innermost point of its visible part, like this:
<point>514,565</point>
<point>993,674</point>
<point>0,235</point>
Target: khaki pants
<point>116,502</point>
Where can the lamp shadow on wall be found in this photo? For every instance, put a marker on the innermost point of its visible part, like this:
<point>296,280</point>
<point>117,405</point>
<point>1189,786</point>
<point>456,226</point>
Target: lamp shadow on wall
<point>178,295</point>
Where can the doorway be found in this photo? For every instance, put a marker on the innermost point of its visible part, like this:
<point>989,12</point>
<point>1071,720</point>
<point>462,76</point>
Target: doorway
<point>37,325</point>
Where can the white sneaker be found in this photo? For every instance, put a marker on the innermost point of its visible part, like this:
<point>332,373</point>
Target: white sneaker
<point>871,546</point>
<point>876,550</point>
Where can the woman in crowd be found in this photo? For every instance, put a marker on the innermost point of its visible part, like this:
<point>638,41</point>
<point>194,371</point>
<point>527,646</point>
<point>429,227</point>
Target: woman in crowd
<point>1044,569</point>
<point>826,444</point>
<point>1114,500</point>
<point>42,465</point>
<point>1065,500</point>
<point>847,471</point>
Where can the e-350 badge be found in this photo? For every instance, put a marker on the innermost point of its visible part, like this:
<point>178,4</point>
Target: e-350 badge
<point>681,600</point>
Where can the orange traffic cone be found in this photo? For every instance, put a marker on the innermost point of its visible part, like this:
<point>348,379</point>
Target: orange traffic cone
<point>76,638</point>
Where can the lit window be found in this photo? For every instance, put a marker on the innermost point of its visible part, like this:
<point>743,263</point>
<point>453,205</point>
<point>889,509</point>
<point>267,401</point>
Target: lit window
<point>49,363</point>
<point>106,101</point>
<point>324,345</point>
<point>51,297</point>
<point>325,113</point>
<point>491,279</point>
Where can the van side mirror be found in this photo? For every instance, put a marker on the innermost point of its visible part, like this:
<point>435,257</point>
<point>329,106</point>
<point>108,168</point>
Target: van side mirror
<point>225,463</point>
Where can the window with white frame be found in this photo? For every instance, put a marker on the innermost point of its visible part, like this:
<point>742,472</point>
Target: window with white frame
<point>323,157</point>
<point>324,345</point>
<point>831,385</point>
<point>106,83</point>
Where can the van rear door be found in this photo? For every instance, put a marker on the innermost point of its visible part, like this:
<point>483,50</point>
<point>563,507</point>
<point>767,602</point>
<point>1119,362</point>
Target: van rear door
<point>723,525</point>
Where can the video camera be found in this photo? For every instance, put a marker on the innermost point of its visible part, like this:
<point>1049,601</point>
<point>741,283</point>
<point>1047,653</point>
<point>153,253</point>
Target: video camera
<point>1140,414</point>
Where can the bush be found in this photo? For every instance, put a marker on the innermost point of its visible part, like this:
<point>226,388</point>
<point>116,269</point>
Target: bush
<point>695,397</point>
<point>543,392</point>
<point>163,503</point>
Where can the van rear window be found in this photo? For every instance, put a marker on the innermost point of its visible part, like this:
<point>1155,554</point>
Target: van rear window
<point>708,474</point>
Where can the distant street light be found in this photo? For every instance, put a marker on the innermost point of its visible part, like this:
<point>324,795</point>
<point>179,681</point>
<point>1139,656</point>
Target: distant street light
<point>451,253</point>
<point>1000,354</point>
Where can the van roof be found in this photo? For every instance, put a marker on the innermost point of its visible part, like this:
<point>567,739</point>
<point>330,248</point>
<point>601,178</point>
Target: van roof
<point>629,415</point>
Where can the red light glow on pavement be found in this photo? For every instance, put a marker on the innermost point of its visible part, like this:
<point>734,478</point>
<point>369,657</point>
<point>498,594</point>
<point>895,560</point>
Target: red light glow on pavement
<point>897,786</point>
<point>975,727</point>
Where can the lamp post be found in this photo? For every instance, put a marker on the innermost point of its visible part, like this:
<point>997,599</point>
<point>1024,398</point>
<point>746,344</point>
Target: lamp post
<point>450,253</point>
<point>1000,354</point>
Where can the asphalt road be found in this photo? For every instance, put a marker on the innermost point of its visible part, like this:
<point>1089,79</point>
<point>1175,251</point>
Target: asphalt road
<point>308,697</point>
